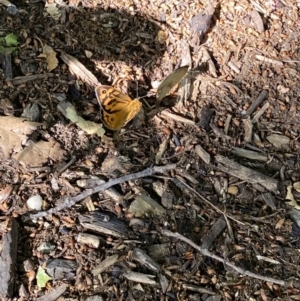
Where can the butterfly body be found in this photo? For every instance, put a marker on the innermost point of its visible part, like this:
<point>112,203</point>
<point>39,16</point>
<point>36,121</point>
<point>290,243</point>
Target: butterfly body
<point>117,107</point>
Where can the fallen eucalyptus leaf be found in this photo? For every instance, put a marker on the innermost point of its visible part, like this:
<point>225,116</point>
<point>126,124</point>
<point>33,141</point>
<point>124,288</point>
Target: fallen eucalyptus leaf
<point>171,81</point>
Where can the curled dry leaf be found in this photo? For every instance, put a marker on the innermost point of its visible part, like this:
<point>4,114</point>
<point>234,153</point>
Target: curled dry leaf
<point>171,81</point>
<point>13,131</point>
<point>296,186</point>
<point>40,152</point>
<point>53,11</point>
<point>50,55</point>
<point>290,196</point>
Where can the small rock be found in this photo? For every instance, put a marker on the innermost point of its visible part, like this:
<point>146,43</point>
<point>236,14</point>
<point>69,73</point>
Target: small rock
<point>35,202</point>
<point>46,247</point>
<point>278,140</point>
<point>233,190</point>
<point>59,268</point>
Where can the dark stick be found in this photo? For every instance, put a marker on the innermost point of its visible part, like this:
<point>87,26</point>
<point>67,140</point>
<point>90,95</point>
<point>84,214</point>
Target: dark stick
<point>70,201</point>
<point>257,102</point>
<point>205,252</point>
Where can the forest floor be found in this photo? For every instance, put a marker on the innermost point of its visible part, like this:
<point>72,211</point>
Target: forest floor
<point>201,200</point>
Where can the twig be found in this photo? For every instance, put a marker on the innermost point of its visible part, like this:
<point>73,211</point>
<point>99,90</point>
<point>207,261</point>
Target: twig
<point>62,169</point>
<point>70,201</point>
<point>260,112</point>
<point>177,118</point>
<point>241,172</point>
<point>269,60</point>
<point>257,102</point>
<point>24,79</point>
<point>205,252</point>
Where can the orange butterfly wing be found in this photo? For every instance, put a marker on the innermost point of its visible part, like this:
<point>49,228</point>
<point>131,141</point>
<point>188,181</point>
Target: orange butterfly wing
<point>117,107</point>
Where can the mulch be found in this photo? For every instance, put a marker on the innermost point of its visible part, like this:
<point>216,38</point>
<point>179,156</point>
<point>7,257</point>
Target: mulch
<point>196,198</point>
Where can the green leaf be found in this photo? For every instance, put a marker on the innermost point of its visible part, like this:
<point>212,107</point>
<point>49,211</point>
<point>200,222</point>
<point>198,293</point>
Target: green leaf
<point>42,278</point>
<point>11,40</point>
<point>8,44</point>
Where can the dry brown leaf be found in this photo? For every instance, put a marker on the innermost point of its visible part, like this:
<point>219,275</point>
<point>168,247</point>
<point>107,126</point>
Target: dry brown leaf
<point>171,81</point>
<point>13,131</point>
<point>50,55</point>
<point>38,153</point>
<point>280,223</point>
<point>53,11</point>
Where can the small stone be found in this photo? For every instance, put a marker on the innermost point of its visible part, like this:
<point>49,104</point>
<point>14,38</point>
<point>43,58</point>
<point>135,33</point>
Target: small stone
<point>35,202</point>
<point>233,190</point>
<point>278,140</point>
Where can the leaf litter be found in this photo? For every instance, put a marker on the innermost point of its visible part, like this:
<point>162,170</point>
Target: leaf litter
<point>222,149</point>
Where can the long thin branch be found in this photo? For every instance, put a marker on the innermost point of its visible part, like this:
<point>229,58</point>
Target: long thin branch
<point>205,252</point>
<point>70,201</point>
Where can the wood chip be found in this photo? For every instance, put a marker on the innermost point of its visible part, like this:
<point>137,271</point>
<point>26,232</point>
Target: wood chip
<point>105,264</point>
<point>246,174</point>
<point>8,259</point>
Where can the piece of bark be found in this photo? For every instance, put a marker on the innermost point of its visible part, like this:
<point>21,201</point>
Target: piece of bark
<point>24,79</point>
<point>105,264</point>
<point>109,193</point>
<point>140,277</point>
<point>248,154</point>
<point>7,68</point>
<point>269,200</point>
<point>159,252</point>
<point>8,260</point>
<point>205,117</point>
<point>80,70</point>
<point>165,114</point>
<point>198,289</point>
<point>167,199</point>
<point>89,239</point>
<point>233,67</point>
<point>227,124</point>
<point>104,224</point>
<point>5,193</point>
<point>257,102</point>
<point>213,233</point>
<point>145,260</point>
<point>260,112</point>
<point>294,215</point>
<point>248,130</point>
<point>58,268</point>
<point>54,294</point>
<point>202,154</point>
<point>219,132</point>
<point>207,58</point>
<point>246,174</point>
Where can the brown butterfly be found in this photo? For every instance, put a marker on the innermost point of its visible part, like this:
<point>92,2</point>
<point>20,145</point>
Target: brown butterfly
<point>117,107</point>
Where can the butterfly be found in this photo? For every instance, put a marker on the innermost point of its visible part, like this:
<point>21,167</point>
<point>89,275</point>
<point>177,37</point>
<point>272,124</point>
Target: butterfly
<point>171,81</point>
<point>117,107</point>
